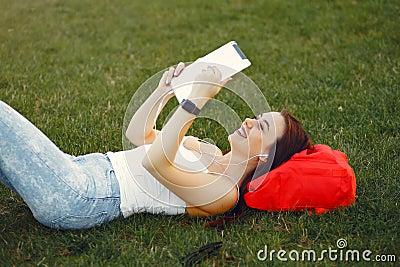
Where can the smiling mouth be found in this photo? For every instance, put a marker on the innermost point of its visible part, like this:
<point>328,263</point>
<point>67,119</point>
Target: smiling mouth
<point>241,132</point>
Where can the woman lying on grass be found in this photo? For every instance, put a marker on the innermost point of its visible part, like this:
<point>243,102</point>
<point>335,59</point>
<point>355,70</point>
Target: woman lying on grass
<point>166,173</point>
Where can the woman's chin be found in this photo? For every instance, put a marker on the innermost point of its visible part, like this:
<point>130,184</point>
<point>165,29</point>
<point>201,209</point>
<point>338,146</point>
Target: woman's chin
<point>232,138</point>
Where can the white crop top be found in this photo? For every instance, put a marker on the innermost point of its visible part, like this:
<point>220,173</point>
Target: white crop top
<point>140,191</point>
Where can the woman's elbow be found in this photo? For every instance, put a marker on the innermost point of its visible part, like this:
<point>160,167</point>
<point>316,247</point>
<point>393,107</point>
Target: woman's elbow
<point>138,139</point>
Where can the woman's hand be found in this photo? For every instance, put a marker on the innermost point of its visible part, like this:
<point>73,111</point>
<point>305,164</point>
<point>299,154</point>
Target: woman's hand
<point>141,127</point>
<point>208,83</point>
<point>164,85</point>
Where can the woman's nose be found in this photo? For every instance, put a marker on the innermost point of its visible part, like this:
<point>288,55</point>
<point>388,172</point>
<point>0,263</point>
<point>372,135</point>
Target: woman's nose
<point>249,123</point>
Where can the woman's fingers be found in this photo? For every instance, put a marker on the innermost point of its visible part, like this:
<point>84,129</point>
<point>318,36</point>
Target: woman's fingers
<point>211,71</point>
<point>170,74</point>
<point>179,68</point>
<point>163,78</point>
<point>212,74</point>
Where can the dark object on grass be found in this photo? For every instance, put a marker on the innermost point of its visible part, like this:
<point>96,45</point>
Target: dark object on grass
<point>201,254</point>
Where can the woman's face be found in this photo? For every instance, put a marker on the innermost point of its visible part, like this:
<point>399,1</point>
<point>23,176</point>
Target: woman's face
<point>256,136</point>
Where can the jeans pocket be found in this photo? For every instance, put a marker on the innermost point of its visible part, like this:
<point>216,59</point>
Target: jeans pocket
<point>76,222</point>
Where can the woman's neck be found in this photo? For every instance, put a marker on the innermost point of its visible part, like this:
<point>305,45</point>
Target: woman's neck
<point>235,167</point>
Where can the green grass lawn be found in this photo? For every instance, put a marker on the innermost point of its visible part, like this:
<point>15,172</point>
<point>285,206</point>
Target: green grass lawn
<point>71,67</point>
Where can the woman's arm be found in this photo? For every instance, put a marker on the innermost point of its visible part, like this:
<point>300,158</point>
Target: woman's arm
<point>141,127</point>
<point>205,194</point>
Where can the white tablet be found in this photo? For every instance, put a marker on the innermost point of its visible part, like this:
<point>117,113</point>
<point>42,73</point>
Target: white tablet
<point>229,59</point>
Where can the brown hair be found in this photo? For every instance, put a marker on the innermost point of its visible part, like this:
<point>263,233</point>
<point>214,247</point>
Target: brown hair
<point>293,140</point>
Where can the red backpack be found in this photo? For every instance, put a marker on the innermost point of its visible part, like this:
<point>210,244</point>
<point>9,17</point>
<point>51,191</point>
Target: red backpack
<point>318,179</point>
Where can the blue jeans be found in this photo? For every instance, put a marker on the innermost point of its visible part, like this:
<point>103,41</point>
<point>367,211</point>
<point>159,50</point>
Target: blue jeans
<point>62,191</point>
